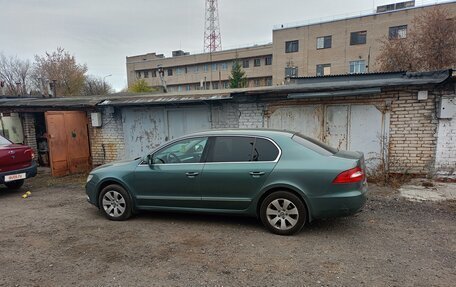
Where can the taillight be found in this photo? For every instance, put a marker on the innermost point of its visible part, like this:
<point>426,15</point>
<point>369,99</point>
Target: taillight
<point>350,176</point>
<point>30,152</point>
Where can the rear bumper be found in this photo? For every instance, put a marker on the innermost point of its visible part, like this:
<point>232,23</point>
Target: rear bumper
<point>339,204</point>
<point>29,172</point>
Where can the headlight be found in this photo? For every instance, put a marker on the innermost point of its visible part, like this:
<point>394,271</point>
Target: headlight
<point>89,177</point>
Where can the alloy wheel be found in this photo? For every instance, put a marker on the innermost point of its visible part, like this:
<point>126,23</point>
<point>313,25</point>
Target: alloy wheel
<point>114,203</point>
<point>282,214</point>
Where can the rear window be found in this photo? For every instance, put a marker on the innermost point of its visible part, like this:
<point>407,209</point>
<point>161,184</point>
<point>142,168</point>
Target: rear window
<point>314,145</point>
<point>4,141</point>
<point>264,150</point>
<point>232,149</point>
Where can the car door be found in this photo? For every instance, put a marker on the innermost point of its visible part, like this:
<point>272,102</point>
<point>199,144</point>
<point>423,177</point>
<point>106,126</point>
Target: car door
<point>235,170</point>
<point>172,180</point>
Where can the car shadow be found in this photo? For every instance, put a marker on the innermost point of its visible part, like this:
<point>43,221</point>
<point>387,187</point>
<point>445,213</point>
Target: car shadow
<point>6,192</point>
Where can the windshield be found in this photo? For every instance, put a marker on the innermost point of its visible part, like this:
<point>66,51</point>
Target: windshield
<point>4,141</point>
<point>314,145</point>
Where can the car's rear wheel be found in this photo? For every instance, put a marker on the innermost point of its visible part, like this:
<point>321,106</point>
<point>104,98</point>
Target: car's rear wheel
<point>283,213</point>
<point>115,202</point>
<point>14,184</point>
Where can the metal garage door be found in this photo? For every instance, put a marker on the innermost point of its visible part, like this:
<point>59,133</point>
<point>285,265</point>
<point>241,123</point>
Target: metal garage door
<point>347,127</point>
<point>146,128</point>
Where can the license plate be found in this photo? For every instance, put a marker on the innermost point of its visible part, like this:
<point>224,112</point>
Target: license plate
<point>13,177</point>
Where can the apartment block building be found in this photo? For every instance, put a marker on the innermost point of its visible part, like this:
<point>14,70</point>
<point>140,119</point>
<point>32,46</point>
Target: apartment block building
<point>314,48</point>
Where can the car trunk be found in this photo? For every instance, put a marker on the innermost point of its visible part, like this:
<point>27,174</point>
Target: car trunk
<point>14,156</point>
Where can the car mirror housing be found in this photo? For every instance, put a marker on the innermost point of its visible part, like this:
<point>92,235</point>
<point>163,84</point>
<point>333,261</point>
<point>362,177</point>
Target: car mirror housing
<point>149,160</point>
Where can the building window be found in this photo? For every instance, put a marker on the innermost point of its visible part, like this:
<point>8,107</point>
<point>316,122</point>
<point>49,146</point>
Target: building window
<point>268,61</point>
<point>291,46</point>
<point>179,88</point>
<point>180,70</point>
<point>187,88</point>
<point>358,38</point>
<point>138,75</point>
<point>170,72</point>
<point>154,73</point>
<point>224,66</point>
<point>323,69</point>
<point>256,62</point>
<point>146,74</point>
<point>324,42</point>
<point>205,67</point>
<point>398,32</point>
<point>357,67</point>
<point>268,81</point>
<point>214,67</point>
<point>291,72</point>
<point>226,84</point>
<point>195,69</point>
<point>245,63</point>
<point>215,85</point>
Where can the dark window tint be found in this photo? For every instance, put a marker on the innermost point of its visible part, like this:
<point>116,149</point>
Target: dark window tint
<point>314,145</point>
<point>264,150</point>
<point>231,149</point>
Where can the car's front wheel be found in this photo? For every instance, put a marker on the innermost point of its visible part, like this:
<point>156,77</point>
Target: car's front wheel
<point>115,202</point>
<point>283,213</point>
<point>14,184</point>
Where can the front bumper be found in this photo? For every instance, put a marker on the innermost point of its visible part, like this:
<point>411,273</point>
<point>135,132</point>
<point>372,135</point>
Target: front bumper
<point>29,172</point>
<point>91,191</point>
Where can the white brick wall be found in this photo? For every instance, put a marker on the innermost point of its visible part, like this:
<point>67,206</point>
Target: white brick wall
<point>225,116</point>
<point>251,115</point>
<point>445,157</point>
<point>107,142</point>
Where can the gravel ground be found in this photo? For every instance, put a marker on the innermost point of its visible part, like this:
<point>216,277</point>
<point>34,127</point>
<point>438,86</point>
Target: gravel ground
<point>56,238</point>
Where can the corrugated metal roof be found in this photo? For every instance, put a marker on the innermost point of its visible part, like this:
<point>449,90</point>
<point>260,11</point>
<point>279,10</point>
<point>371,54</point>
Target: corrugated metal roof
<point>297,85</point>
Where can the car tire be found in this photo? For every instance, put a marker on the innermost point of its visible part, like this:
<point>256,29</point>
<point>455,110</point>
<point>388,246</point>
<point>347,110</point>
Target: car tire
<point>115,203</point>
<point>14,184</point>
<point>283,213</point>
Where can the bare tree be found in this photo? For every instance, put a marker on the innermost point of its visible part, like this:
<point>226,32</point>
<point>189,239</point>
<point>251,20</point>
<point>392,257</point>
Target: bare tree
<point>96,86</point>
<point>430,45</point>
<point>61,68</point>
<point>15,73</point>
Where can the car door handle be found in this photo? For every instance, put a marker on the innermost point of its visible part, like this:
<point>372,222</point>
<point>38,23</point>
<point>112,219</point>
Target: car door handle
<point>256,173</point>
<point>191,174</point>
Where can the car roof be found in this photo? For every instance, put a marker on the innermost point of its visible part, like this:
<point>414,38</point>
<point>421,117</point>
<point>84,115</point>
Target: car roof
<point>246,132</point>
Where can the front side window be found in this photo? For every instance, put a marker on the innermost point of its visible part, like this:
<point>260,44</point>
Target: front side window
<point>324,42</point>
<point>231,149</point>
<point>183,151</point>
<point>358,38</point>
<point>357,67</point>
<point>291,46</point>
<point>398,32</point>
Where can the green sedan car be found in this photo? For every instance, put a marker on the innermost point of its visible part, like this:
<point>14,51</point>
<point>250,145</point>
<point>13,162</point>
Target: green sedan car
<point>283,178</point>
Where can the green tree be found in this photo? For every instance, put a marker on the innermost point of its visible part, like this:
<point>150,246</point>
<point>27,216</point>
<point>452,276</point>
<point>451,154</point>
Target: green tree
<point>140,86</point>
<point>237,78</point>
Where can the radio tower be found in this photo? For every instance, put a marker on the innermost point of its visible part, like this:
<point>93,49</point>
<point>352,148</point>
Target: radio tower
<point>212,37</point>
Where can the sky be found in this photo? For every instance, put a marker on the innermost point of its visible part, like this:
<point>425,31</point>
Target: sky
<point>101,33</point>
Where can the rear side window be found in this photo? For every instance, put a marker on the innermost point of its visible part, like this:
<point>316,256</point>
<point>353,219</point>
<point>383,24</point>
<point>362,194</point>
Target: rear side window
<point>231,149</point>
<point>264,150</point>
<point>314,145</point>
<point>4,141</point>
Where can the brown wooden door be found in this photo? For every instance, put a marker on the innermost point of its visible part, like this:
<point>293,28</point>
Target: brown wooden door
<point>68,142</point>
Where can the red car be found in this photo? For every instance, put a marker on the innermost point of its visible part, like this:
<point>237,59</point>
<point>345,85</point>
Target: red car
<point>16,163</point>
